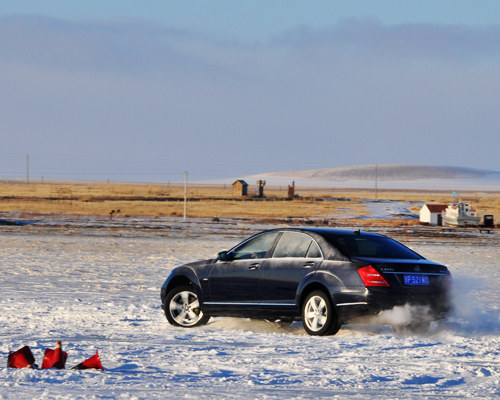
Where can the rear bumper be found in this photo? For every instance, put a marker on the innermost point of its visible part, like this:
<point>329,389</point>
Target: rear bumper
<point>373,302</point>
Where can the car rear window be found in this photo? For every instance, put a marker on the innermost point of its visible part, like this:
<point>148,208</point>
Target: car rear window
<point>371,246</point>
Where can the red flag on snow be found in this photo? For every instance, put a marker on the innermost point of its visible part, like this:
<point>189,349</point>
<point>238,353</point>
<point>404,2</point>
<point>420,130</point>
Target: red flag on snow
<point>92,362</point>
<point>54,358</point>
<point>22,358</point>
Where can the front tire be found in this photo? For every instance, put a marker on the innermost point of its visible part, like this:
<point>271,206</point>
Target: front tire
<point>318,315</point>
<point>182,308</point>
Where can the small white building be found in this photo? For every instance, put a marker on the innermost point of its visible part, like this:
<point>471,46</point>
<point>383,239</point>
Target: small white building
<point>432,214</point>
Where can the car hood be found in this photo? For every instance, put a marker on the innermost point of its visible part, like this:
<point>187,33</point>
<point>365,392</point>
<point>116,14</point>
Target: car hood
<point>198,264</point>
<point>194,270</point>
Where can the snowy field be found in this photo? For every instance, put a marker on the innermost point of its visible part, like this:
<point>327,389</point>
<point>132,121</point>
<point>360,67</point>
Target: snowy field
<point>102,293</point>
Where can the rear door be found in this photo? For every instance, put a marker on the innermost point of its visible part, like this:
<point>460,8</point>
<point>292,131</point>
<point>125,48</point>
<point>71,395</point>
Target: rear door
<point>295,255</point>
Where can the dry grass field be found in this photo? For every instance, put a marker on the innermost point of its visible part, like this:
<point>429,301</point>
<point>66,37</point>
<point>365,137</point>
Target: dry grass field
<point>209,201</point>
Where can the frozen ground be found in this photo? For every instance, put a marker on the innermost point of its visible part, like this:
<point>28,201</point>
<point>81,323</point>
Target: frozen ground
<point>102,292</point>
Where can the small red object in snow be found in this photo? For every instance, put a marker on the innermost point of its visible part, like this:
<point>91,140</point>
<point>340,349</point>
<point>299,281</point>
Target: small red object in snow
<point>22,358</point>
<point>55,358</point>
<point>92,362</point>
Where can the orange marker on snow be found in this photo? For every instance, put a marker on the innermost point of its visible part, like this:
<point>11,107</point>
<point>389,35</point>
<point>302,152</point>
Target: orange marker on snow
<point>22,358</point>
<point>55,358</point>
<point>92,362</point>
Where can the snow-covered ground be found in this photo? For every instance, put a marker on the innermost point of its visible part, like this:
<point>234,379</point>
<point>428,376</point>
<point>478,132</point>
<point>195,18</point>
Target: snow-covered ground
<point>101,292</point>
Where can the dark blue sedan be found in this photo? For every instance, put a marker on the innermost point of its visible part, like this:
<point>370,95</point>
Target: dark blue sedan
<point>324,277</point>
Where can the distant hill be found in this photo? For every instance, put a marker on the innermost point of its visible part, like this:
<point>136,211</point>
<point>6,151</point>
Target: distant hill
<point>390,177</point>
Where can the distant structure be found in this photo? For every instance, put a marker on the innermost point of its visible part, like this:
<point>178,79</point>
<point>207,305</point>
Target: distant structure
<point>240,188</point>
<point>432,214</point>
<point>291,191</point>
<point>460,214</point>
<point>489,221</point>
<point>261,184</point>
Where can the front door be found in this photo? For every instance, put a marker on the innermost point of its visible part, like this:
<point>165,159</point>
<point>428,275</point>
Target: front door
<point>235,280</point>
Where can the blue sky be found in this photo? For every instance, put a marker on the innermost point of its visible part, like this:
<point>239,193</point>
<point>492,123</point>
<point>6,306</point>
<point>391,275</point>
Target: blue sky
<point>259,19</point>
<point>129,90</point>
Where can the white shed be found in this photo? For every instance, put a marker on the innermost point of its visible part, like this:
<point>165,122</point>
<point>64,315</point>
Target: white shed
<point>432,214</point>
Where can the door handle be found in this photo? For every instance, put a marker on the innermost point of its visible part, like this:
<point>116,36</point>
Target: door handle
<point>308,265</point>
<point>254,266</point>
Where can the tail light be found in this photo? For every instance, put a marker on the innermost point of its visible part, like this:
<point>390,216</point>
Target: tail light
<point>371,277</point>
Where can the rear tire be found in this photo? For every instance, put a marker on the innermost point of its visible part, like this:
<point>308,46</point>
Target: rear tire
<point>318,315</point>
<point>182,308</point>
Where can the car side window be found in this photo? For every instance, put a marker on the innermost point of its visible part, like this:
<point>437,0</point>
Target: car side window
<point>293,244</point>
<point>313,251</point>
<point>255,248</point>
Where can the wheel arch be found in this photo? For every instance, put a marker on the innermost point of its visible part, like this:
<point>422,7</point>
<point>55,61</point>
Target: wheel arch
<point>325,282</point>
<point>187,277</point>
<point>311,287</point>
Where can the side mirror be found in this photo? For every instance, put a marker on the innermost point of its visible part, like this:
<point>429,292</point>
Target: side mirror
<point>222,256</point>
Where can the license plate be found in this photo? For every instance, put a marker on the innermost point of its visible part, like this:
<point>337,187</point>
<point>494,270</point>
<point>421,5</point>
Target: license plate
<point>418,280</point>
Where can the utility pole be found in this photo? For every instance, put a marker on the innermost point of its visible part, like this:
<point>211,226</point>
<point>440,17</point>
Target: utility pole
<point>185,194</point>
<point>376,181</point>
<point>27,169</point>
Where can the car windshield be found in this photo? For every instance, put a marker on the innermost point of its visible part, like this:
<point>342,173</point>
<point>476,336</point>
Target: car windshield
<point>371,246</point>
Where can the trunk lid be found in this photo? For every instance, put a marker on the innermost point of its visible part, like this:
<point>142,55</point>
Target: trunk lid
<point>410,275</point>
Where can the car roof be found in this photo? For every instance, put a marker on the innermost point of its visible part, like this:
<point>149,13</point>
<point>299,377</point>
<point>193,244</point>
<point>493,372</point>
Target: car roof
<point>327,231</point>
